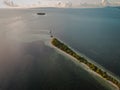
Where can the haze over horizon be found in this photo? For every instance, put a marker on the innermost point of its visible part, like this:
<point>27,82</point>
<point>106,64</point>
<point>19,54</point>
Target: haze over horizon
<point>58,3</point>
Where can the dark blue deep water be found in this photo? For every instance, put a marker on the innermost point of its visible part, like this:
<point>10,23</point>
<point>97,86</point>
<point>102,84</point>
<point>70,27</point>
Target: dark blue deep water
<point>27,63</point>
<point>95,33</point>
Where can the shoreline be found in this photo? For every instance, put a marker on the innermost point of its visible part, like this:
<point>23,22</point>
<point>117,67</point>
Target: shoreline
<point>84,66</point>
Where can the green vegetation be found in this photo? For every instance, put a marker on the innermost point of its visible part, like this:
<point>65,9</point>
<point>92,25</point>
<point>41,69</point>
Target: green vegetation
<point>92,66</point>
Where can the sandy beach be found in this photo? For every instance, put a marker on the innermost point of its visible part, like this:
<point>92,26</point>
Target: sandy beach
<point>85,67</point>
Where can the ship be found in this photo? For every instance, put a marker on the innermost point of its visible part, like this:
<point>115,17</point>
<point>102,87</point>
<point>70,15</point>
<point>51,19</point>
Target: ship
<point>40,13</point>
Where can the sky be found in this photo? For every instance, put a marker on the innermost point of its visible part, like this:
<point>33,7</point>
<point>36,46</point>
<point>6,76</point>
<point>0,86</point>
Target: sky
<point>73,1</point>
<point>54,2</point>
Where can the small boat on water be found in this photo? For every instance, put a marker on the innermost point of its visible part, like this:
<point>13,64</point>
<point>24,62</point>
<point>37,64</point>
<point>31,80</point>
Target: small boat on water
<point>51,33</point>
<point>40,13</point>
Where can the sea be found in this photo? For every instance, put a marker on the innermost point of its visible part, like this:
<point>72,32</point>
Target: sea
<point>28,63</point>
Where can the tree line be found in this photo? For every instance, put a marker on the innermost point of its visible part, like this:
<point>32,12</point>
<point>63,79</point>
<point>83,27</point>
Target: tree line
<point>81,59</point>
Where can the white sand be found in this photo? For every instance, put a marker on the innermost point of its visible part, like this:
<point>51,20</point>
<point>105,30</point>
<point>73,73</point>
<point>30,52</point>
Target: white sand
<point>84,66</point>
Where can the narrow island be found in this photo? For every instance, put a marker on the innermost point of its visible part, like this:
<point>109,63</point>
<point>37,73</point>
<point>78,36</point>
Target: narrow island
<point>60,45</point>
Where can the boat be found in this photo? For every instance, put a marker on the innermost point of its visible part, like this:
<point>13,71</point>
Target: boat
<point>40,13</point>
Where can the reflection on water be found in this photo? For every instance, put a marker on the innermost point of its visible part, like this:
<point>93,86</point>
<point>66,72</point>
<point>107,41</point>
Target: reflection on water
<point>27,64</point>
<point>34,66</point>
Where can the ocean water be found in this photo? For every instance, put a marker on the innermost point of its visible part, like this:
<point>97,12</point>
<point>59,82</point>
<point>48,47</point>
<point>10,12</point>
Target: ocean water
<point>96,34</point>
<point>26,63</point>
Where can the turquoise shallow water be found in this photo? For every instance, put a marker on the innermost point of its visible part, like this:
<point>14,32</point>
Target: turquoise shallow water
<point>26,63</point>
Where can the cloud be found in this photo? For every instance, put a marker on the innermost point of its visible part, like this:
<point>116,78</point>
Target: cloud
<point>57,3</point>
